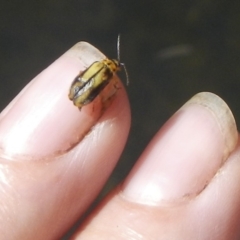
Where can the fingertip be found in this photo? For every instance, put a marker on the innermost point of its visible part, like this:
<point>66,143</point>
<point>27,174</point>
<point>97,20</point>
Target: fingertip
<point>185,154</point>
<point>42,115</point>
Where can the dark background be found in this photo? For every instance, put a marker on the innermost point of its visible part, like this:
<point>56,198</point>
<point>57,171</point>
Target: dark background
<point>172,48</point>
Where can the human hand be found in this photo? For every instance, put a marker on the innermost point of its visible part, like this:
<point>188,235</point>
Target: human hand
<point>54,163</point>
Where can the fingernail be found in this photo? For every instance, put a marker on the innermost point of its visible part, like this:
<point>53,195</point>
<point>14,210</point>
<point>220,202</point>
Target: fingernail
<point>185,154</point>
<point>42,121</point>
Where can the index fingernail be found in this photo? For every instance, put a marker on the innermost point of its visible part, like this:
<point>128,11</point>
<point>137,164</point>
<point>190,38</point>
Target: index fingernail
<point>185,154</point>
<point>43,121</point>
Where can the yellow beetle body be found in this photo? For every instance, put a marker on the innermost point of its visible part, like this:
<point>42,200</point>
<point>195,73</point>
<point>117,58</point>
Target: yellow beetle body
<point>89,83</point>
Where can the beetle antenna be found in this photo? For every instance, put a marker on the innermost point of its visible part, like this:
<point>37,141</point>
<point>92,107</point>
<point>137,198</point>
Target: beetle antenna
<point>125,70</point>
<point>122,64</point>
<point>118,47</point>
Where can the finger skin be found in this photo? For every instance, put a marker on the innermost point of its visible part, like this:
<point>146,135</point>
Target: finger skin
<point>213,214</point>
<point>55,159</point>
<point>208,209</point>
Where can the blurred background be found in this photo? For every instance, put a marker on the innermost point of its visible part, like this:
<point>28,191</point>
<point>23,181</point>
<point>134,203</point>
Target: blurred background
<point>172,49</point>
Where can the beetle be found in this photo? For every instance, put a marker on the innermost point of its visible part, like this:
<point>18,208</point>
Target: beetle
<point>88,84</point>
